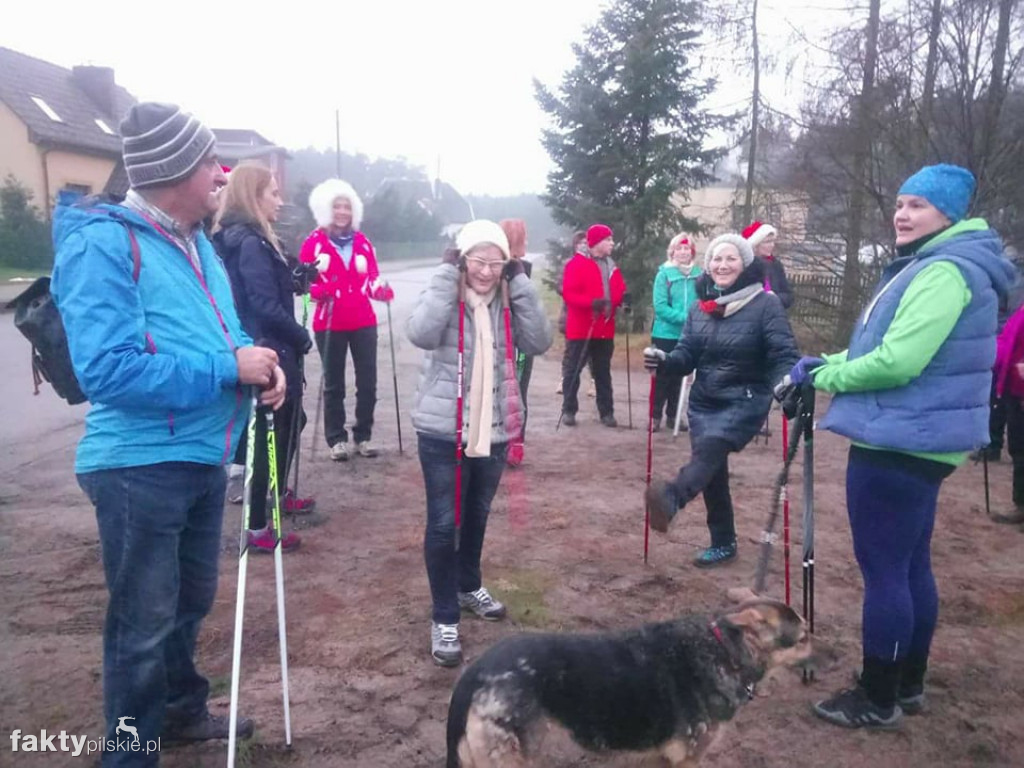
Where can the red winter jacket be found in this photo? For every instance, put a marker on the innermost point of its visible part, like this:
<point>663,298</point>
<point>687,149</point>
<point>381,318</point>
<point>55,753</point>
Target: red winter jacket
<point>581,284</point>
<point>342,294</point>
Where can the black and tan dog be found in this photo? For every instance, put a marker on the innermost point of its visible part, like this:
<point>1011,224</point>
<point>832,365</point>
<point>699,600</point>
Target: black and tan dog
<point>663,688</point>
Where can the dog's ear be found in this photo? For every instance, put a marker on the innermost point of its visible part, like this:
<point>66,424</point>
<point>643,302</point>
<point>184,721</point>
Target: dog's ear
<point>748,617</point>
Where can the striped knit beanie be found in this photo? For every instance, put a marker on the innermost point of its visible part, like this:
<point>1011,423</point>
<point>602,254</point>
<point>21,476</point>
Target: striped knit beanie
<point>162,144</point>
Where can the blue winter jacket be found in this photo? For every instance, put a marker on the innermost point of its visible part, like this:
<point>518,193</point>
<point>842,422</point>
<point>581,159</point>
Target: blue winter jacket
<point>156,358</point>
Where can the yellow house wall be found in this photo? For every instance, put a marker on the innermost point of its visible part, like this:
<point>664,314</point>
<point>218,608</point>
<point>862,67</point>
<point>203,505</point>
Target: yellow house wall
<point>68,168</point>
<point>20,157</point>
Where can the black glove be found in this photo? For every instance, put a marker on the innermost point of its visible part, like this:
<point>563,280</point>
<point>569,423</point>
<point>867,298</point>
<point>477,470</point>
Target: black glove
<point>627,303</point>
<point>308,345</point>
<point>601,306</point>
<point>303,275</point>
<point>454,257</point>
<point>513,268</point>
<point>789,396</point>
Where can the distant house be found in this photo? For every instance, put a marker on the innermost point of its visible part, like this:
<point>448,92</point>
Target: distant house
<point>58,127</point>
<point>237,144</point>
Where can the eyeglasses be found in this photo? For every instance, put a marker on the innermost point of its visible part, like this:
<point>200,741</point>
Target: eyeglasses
<point>486,264</point>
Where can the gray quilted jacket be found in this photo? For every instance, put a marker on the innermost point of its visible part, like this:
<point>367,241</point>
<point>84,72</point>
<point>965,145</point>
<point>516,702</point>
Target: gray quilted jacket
<point>434,326</point>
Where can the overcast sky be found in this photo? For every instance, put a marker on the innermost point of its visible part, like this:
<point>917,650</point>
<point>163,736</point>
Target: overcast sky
<point>423,80</point>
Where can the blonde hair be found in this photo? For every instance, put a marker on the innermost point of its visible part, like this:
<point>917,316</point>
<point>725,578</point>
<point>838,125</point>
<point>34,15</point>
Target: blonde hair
<point>681,237</point>
<point>240,200</point>
<point>515,231</point>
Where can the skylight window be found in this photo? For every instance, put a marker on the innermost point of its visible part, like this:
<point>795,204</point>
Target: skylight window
<point>47,109</point>
<point>104,127</point>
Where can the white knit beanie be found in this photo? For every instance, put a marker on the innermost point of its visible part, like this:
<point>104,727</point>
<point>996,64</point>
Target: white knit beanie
<point>741,243</point>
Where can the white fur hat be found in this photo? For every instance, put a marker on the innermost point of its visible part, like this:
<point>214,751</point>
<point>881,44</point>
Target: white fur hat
<point>479,232</point>
<point>321,202</point>
<point>741,243</point>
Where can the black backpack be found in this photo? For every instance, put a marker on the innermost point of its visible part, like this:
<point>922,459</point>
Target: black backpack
<point>36,316</point>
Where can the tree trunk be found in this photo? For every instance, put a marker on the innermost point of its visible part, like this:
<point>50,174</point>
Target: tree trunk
<point>755,115</point>
<point>928,92</point>
<point>851,299</point>
<point>996,93</point>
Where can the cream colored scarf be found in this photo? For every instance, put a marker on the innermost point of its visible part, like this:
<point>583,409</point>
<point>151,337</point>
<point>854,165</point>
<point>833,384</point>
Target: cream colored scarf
<point>481,383</point>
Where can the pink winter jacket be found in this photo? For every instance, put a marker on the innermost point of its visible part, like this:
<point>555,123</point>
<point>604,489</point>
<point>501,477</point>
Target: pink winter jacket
<point>1010,352</point>
<point>342,294</point>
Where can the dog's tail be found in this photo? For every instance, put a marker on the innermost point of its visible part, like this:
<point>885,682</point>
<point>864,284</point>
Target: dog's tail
<point>458,714</point>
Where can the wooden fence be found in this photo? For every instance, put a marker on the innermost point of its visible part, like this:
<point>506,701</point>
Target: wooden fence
<point>817,301</point>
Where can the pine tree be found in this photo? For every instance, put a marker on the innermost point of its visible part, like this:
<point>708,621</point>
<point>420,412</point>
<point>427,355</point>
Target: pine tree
<point>628,133</point>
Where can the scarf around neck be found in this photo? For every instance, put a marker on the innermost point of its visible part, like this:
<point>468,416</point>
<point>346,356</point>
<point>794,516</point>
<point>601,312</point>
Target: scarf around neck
<point>481,382</point>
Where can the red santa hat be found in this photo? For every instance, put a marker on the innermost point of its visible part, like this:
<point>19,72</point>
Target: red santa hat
<point>758,232</point>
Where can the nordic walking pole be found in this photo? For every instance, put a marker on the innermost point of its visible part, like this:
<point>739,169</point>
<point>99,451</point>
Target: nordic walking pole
<point>295,446</point>
<point>807,411</point>
<point>680,405</point>
<point>628,309</point>
<point>984,467</point>
<point>282,634</point>
<point>650,460</point>
<point>243,567</point>
<point>324,370</point>
<point>785,510</point>
<point>579,365</point>
<point>461,372</point>
<point>394,379</point>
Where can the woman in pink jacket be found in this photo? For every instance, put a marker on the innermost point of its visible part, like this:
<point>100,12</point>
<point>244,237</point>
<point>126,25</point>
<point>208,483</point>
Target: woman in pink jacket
<point>344,318</point>
<point>1008,381</point>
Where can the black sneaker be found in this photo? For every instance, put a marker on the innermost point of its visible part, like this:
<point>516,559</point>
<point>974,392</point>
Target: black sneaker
<point>609,421</point>
<point>569,419</point>
<point>991,453</point>
<point>205,728</point>
<point>852,708</point>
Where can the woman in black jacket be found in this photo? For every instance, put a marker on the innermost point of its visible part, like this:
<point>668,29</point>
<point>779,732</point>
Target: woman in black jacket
<point>740,344</point>
<point>264,289</point>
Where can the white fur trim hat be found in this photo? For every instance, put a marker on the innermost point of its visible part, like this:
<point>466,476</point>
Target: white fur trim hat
<point>321,202</point>
<point>741,243</point>
<point>758,232</point>
<point>479,232</point>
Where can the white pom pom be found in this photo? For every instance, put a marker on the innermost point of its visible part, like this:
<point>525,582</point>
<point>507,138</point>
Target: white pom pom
<point>360,262</point>
<point>321,259</point>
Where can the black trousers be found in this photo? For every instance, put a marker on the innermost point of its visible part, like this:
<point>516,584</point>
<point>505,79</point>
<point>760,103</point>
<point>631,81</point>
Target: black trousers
<point>708,473</point>
<point>1014,410</point>
<point>261,466</point>
<point>334,347</point>
<point>666,386</point>
<point>598,354</point>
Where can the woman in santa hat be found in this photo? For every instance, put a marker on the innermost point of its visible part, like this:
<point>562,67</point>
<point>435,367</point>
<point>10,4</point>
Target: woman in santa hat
<point>344,318</point>
<point>762,239</point>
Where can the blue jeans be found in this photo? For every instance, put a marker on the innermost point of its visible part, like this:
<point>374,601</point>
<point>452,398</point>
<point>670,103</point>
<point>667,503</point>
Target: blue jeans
<point>450,571</point>
<point>160,529</point>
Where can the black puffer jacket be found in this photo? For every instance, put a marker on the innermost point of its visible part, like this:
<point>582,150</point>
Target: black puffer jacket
<point>775,273</point>
<point>738,359</point>
<point>264,298</point>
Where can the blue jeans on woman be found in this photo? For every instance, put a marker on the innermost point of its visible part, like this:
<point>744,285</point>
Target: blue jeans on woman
<point>450,571</point>
<point>160,528</point>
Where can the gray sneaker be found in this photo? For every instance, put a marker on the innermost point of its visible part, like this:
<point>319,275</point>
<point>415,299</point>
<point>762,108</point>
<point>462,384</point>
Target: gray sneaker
<point>444,644</point>
<point>482,604</point>
<point>339,452</point>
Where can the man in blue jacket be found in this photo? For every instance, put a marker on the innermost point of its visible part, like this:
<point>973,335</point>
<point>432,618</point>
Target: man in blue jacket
<point>159,351</point>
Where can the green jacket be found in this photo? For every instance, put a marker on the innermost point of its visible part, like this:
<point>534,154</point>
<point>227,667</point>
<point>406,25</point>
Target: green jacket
<point>674,295</point>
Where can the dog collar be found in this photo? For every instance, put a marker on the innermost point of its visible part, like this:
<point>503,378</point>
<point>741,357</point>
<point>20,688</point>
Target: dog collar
<point>717,632</point>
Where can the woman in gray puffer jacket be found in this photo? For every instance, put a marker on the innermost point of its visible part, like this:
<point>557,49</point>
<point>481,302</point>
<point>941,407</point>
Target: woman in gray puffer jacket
<point>491,413</point>
<point>739,342</point>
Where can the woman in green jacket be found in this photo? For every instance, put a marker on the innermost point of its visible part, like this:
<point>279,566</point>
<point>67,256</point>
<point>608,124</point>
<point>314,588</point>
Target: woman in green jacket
<point>674,293</point>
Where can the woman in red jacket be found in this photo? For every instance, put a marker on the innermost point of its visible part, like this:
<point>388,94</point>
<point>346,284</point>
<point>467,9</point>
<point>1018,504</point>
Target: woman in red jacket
<point>344,318</point>
<point>592,289</point>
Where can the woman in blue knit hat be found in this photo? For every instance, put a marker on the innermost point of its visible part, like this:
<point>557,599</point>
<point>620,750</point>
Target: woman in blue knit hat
<point>911,393</point>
